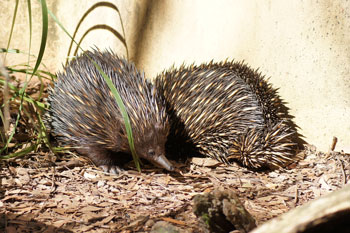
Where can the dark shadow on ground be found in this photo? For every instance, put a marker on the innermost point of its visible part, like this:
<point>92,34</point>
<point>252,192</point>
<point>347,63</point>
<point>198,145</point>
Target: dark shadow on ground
<point>25,223</point>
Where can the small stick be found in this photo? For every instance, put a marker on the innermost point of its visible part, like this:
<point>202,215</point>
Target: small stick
<point>343,172</point>
<point>334,143</point>
<point>296,195</point>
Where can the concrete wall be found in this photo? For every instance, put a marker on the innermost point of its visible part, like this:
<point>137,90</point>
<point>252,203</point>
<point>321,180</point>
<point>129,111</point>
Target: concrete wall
<point>302,45</point>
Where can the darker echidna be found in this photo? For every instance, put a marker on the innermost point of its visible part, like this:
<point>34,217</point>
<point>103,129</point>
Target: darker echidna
<point>229,112</point>
<point>84,114</point>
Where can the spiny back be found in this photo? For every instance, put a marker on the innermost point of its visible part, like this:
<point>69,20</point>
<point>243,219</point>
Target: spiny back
<point>229,112</point>
<point>84,113</point>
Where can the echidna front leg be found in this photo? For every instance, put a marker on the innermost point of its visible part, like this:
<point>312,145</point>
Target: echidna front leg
<point>102,158</point>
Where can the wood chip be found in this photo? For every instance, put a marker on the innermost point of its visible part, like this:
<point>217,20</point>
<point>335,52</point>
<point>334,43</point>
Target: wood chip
<point>87,199</point>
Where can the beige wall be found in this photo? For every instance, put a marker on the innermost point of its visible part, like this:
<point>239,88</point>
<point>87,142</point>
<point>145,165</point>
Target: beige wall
<point>69,14</point>
<point>302,45</point>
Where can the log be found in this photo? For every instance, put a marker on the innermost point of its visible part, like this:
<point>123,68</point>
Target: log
<point>330,213</point>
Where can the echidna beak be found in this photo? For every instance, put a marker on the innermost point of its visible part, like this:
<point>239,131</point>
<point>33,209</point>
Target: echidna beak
<point>163,162</point>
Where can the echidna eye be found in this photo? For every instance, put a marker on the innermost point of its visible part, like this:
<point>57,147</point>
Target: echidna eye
<point>151,153</point>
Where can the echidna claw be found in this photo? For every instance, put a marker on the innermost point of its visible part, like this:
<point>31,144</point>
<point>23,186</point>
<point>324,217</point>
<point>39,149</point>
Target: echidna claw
<point>111,169</point>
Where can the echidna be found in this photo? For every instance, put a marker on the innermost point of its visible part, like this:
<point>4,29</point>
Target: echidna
<point>84,114</point>
<point>230,113</point>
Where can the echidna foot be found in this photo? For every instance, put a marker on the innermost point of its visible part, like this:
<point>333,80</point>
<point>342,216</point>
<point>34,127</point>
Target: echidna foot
<point>113,169</point>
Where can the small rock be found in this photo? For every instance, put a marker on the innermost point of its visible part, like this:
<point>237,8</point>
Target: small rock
<point>222,211</point>
<point>164,227</point>
<point>101,183</point>
<point>149,223</point>
<point>273,174</point>
<point>89,176</point>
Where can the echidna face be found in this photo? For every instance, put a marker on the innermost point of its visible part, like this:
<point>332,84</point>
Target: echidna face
<point>152,146</point>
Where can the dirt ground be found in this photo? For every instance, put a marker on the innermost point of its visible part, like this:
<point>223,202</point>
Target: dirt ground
<point>43,193</point>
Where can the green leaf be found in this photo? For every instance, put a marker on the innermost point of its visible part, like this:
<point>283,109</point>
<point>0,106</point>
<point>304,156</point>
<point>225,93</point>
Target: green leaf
<point>117,97</point>
<point>124,114</point>
<point>20,153</point>
<point>45,23</point>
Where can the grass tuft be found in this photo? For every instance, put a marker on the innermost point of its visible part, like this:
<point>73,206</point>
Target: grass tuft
<point>23,103</point>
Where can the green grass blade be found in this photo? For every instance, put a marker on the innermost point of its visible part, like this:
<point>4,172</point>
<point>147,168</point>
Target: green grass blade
<point>2,120</point>
<point>25,97</point>
<point>29,6</point>
<point>6,107</point>
<point>45,22</point>
<point>6,115</point>
<point>93,7</point>
<point>117,97</point>
<point>41,53</point>
<point>100,26</point>
<point>3,50</point>
<point>39,73</point>
<point>59,24</point>
<point>124,114</point>
<point>20,153</point>
<point>12,26</point>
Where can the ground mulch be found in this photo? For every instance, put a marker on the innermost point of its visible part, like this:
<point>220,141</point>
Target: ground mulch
<point>45,193</point>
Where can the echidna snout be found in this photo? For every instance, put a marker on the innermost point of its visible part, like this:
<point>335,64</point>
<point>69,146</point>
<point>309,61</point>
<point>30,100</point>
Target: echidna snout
<point>85,115</point>
<point>161,161</point>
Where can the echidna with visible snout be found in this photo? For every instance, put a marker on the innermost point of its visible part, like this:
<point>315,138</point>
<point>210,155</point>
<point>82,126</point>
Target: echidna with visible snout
<point>230,113</point>
<point>84,114</point>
